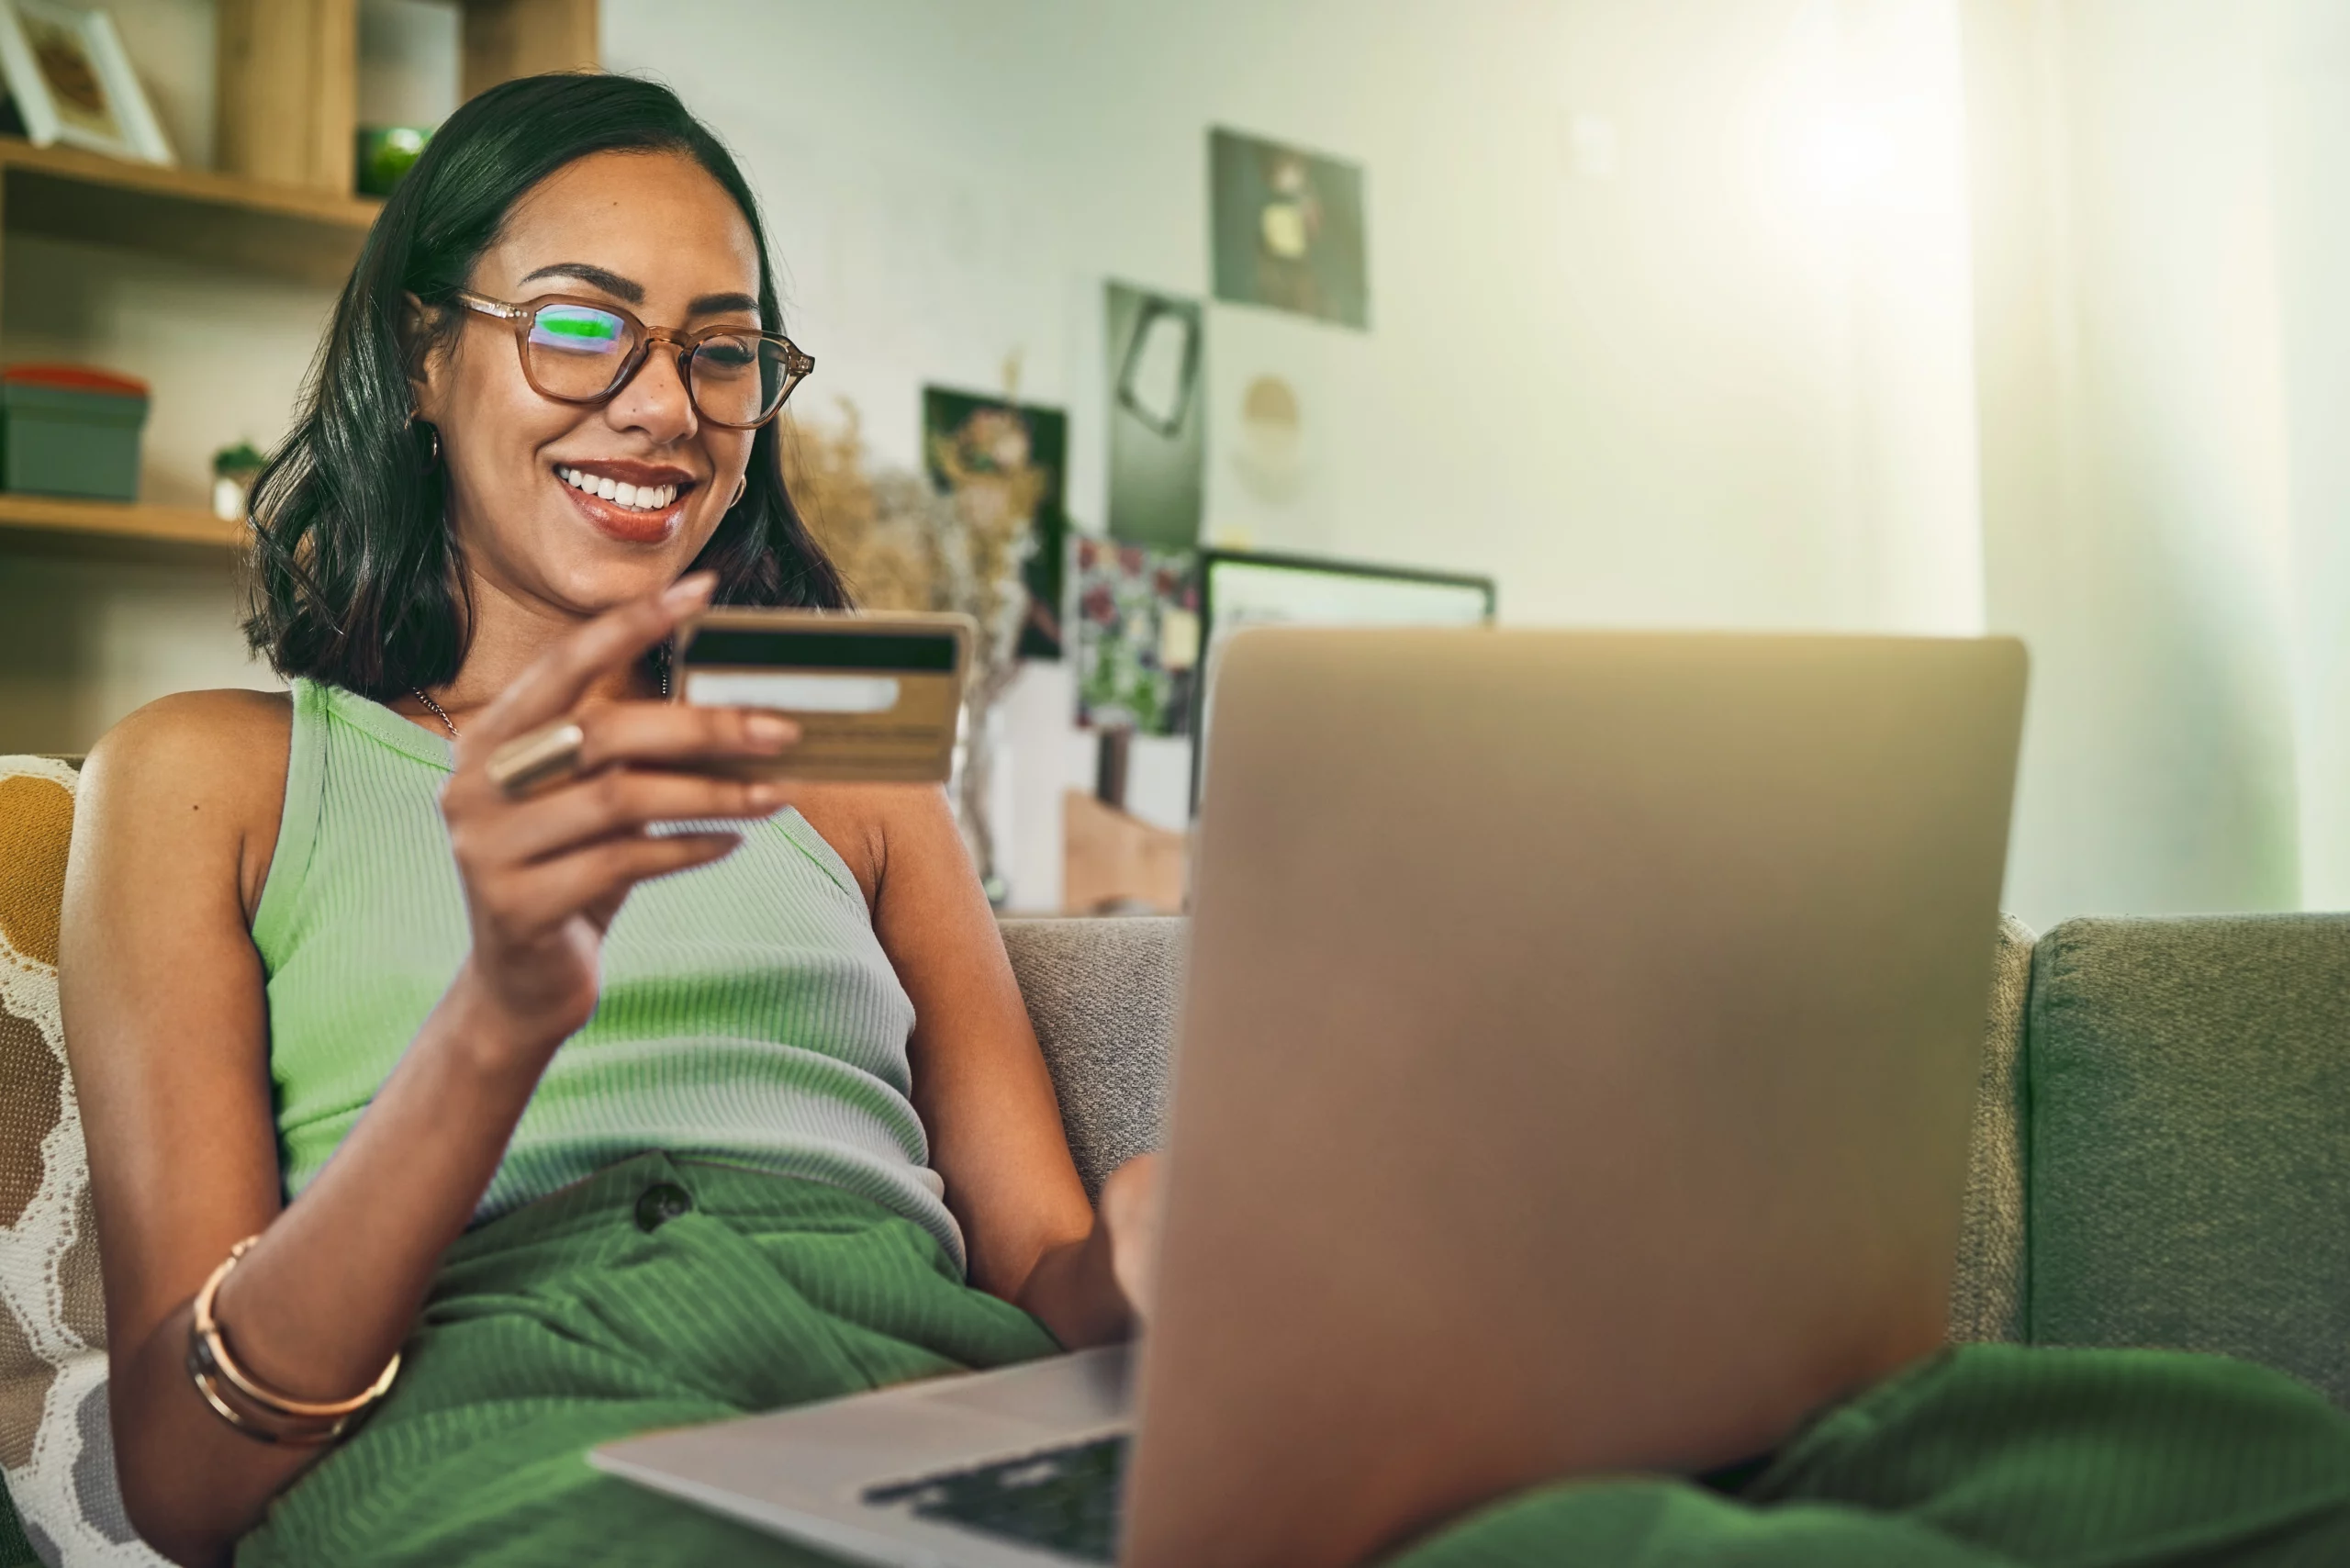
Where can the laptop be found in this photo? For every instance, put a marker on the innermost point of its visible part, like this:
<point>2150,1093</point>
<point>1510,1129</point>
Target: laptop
<point>1575,1074</point>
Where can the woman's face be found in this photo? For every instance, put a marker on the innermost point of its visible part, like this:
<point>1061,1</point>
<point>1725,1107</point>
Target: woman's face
<point>655,234</point>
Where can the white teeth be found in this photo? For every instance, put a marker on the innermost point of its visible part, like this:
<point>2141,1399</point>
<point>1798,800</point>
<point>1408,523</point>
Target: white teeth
<point>636,498</point>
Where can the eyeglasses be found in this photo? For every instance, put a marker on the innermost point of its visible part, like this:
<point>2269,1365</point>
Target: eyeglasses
<point>576,351</point>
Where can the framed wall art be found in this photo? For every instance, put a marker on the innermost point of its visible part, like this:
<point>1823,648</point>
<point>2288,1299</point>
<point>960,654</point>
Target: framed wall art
<point>1155,347</point>
<point>972,434</point>
<point>71,82</point>
<point>1289,228</point>
<point>1137,638</point>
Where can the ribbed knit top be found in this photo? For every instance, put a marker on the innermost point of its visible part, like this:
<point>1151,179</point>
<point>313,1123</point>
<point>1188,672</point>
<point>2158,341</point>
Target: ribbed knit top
<point>747,1013</point>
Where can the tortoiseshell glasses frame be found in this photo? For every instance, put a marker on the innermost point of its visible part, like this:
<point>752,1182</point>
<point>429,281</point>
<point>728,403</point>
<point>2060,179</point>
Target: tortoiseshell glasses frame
<point>583,352</point>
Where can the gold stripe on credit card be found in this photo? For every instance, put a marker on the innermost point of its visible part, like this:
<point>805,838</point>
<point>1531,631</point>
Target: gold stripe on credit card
<point>876,697</point>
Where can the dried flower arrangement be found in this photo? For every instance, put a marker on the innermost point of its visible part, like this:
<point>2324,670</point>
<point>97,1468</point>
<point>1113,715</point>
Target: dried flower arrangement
<point>903,546</point>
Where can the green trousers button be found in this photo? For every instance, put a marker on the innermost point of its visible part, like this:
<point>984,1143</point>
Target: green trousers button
<point>662,1202</point>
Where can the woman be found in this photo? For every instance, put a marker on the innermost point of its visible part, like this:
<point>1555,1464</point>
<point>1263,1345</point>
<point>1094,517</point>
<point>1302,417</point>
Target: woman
<point>604,1129</point>
<point>308,925</point>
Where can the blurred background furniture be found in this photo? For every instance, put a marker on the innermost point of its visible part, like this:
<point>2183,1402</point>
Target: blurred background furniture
<point>1114,862</point>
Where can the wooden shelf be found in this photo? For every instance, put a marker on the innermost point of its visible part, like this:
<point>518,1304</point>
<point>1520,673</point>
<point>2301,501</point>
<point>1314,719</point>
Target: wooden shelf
<point>190,214</point>
<point>285,74</point>
<point>66,520</point>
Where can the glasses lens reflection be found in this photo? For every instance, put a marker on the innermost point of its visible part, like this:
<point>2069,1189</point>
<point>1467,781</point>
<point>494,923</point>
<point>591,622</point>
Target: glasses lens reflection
<point>576,350</point>
<point>581,352</point>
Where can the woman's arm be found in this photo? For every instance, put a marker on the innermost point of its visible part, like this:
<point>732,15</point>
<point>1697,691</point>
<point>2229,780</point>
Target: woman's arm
<point>168,1032</point>
<point>167,1028</point>
<point>986,1098</point>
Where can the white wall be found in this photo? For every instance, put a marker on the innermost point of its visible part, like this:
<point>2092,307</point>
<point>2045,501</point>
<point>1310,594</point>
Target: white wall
<point>1762,386</point>
<point>2309,72</point>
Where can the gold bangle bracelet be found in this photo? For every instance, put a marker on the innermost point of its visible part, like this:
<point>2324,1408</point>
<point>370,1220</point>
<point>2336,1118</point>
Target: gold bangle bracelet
<point>281,1418</point>
<point>255,1423</point>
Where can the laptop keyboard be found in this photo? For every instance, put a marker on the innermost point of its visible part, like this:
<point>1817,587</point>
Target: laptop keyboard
<point>1063,1499</point>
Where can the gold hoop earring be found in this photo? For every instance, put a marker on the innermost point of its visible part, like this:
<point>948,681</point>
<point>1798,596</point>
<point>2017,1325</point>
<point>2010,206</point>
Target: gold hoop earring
<point>741,485</point>
<point>432,458</point>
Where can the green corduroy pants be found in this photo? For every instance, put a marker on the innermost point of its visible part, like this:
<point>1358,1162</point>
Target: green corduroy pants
<point>660,1293</point>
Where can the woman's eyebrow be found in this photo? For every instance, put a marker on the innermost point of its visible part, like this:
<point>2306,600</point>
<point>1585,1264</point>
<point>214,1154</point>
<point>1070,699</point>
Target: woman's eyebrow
<point>718,304</point>
<point>611,283</point>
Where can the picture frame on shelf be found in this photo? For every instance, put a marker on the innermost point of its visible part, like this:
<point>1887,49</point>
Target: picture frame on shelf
<point>71,83</point>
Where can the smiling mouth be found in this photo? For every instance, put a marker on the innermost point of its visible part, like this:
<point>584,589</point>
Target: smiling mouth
<point>619,492</point>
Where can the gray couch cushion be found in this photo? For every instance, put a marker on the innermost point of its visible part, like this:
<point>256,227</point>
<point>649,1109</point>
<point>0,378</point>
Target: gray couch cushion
<point>1986,1293</point>
<point>2188,1139</point>
<point>1102,995</point>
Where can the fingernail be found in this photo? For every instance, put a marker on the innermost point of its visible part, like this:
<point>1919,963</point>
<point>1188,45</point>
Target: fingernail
<point>690,590</point>
<point>766,730</point>
<point>766,797</point>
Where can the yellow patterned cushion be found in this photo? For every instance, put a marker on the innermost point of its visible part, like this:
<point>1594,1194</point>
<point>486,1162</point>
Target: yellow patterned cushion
<point>56,1452</point>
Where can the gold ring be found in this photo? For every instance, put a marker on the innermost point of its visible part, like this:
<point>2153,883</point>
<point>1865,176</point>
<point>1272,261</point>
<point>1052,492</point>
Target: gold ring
<point>543,756</point>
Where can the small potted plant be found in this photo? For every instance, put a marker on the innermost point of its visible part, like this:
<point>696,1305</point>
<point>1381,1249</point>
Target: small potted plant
<point>234,469</point>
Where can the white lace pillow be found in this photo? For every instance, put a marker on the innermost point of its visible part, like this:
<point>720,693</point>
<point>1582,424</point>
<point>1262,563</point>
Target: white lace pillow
<point>56,1448</point>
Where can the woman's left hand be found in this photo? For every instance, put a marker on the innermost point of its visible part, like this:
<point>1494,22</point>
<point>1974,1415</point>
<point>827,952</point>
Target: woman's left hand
<point>1127,1214</point>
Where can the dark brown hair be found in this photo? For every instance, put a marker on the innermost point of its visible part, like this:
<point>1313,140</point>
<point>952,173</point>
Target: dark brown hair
<point>356,580</point>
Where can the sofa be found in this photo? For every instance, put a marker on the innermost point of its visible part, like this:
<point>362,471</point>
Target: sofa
<point>2161,1150</point>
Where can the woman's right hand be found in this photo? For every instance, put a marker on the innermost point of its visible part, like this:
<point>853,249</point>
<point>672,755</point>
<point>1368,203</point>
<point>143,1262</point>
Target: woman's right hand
<point>544,875</point>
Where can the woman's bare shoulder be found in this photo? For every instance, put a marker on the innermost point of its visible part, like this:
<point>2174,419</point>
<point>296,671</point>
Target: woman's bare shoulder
<point>207,739</point>
<point>201,769</point>
<point>849,817</point>
<point>863,822</point>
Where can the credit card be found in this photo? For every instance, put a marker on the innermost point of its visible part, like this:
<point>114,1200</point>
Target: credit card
<point>875,696</point>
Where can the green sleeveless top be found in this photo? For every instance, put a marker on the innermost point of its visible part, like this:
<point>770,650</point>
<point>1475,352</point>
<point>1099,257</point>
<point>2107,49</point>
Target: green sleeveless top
<point>747,1014</point>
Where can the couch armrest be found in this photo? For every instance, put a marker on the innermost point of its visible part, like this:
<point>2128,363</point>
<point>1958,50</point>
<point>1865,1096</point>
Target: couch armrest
<point>1986,1292</point>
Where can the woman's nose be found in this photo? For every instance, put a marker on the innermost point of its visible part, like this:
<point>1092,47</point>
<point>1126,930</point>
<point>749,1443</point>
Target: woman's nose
<point>655,400</point>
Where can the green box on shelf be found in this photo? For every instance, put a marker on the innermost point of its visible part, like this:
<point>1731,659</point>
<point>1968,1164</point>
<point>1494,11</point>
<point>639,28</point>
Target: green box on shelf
<point>66,429</point>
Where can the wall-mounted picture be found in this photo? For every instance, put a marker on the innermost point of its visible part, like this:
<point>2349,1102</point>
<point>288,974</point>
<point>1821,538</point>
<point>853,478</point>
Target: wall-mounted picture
<point>1279,392</point>
<point>1289,228</point>
<point>71,83</point>
<point>1137,637</point>
<point>970,439</point>
<point>1157,347</point>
